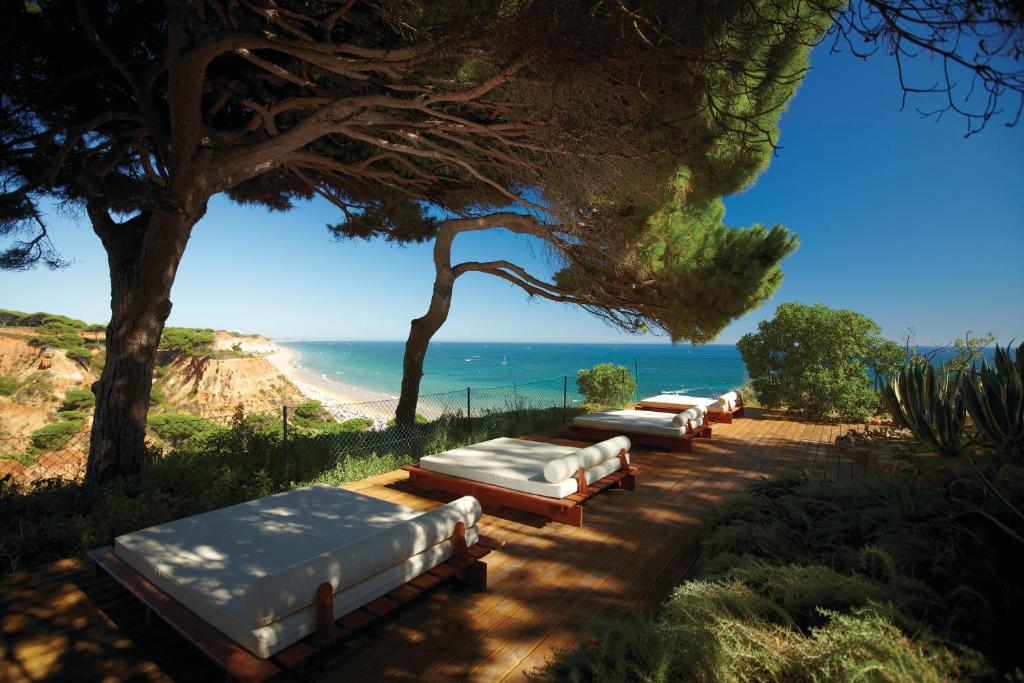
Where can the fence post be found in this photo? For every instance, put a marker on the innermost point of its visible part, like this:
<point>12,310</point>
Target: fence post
<point>636,373</point>
<point>469,406</point>
<point>284,441</point>
<point>565,398</point>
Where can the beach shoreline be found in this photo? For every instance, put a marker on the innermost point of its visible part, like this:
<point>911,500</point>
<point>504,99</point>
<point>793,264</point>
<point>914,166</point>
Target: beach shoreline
<point>343,401</point>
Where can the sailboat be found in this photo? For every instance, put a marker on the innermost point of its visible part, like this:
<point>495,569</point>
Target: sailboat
<point>504,360</point>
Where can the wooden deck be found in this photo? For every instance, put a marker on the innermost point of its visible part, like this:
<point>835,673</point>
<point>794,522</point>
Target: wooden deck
<point>61,622</point>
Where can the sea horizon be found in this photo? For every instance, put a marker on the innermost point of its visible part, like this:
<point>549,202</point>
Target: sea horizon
<point>453,366</point>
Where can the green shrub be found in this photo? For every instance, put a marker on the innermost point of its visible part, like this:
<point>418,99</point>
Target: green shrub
<point>939,573</point>
<point>355,424</point>
<point>59,328</point>
<point>606,385</point>
<point>46,341</point>
<point>71,414</point>
<point>186,340</point>
<point>808,580</point>
<point>10,318</point>
<point>8,385</point>
<point>80,354</point>
<point>55,436</point>
<point>724,631</point>
<point>419,419</point>
<point>811,359</point>
<point>156,395</point>
<point>79,399</point>
<point>310,410</point>
<point>176,428</point>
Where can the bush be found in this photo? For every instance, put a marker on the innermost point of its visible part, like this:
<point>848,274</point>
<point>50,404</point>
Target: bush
<point>57,341</point>
<point>419,419</point>
<point>186,340</point>
<point>606,385</point>
<point>811,359</point>
<point>355,424</point>
<point>724,631</point>
<point>940,574</point>
<point>79,399</point>
<point>45,341</point>
<point>55,436</point>
<point>71,414</point>
<point>310,410</point>
<point>80,354</point>
<point>177,428</point>
<point>8,385</point>
<point>806,580</point>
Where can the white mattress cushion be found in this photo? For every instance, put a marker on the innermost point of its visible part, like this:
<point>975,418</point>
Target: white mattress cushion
<point>229,561</point>
<point>515,464</point>
<point>632,421</point>
<point>677,400</point>
<point>567,466</point>
<point>728,400</point>
<point>286,590</point>
<point>266,640</point>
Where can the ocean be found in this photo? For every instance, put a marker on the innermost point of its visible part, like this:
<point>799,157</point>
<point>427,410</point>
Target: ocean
<point>453,366</point>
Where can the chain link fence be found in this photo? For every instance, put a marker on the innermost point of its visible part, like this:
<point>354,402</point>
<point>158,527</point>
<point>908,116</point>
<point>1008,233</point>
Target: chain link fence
<point>301,442</point>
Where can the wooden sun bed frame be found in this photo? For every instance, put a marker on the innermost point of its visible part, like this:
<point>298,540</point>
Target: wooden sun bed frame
<point>566,510</point>
<point>722,416</point>
<point>672,443</point>
<point>241,665</point>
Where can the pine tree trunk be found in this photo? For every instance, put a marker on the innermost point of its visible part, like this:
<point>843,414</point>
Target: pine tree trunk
<point>143,254</point>
<point>423,329</point>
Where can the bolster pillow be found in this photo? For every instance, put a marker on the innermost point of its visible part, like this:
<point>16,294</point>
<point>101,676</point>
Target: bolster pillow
<point>293,587</point>
<point>692,415</point>
<point>560,469</point>
<point>728,400</point>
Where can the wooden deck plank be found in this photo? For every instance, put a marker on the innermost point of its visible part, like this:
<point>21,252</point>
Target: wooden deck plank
<point>62,622</point>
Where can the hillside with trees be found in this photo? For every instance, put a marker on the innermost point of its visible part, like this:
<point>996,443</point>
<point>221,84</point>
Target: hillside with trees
<point>49,364</point>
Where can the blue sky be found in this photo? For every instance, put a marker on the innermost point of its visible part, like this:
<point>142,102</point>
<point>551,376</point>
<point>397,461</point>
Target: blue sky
<point>899,218</point>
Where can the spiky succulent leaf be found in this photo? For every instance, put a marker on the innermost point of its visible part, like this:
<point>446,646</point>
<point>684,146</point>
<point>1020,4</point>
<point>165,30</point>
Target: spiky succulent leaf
<point>927,403</point>
<point>994,398</point>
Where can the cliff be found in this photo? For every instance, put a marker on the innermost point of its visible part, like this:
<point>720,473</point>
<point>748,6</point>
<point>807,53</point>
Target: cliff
<point>224,371</point>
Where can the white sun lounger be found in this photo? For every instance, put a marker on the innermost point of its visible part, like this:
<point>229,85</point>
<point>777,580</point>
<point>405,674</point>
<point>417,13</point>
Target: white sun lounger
<point>648,428</point>
<point>721,409</point>
<point>542,478</point>
<point>255,571</point>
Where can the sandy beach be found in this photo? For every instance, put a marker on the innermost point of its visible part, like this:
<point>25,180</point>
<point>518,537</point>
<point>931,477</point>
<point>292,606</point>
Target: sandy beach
<point>343,401</point>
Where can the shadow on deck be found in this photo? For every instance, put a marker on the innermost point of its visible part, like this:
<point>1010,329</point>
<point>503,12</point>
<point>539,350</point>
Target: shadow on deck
<point>61,622</point>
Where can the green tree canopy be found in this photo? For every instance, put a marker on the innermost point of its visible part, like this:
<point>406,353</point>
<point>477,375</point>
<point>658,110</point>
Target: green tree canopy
<point>606,384</point>
<point>139,112</point>
<point>810,359</point>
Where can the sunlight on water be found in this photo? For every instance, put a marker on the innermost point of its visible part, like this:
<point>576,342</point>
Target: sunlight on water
<point>452,366</point>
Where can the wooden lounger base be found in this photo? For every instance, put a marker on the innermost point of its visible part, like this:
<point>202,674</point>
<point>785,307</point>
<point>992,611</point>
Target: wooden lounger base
<point>240,664</point>
<point>723,417</point>
<point>671,443</point>
<point>567,510</point>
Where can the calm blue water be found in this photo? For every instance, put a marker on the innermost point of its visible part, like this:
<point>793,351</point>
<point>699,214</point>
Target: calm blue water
<point>450,366</point>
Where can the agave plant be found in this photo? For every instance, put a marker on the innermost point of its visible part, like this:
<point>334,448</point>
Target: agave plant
<point>925,401</point>
<point>994,399</point>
